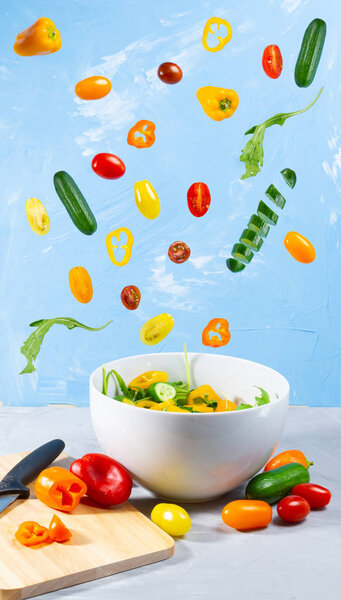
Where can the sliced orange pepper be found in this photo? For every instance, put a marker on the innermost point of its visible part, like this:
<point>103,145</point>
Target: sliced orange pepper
<point>163,405</point>
<point>58,532</point>
<point>224,405</point>
<point>41,38</point>
<point>58,488</point>
<point>30,533</point>
<point>203,391</point>
<point>220,329</point>
<point>146,129</point>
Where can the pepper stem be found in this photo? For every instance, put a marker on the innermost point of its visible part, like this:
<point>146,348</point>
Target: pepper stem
<point>51,33</point>
<point>225,104</point>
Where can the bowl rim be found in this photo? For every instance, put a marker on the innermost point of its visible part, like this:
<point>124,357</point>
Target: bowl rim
<point>191,354</point>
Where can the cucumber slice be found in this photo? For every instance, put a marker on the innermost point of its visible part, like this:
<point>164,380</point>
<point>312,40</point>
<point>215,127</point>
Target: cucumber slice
<point>251,239</point>
<point>258,225</point>
<point>235,265</point>
<point>242,253</point>
<point>274,195</point>
<point>289,177</point>
<point>267,214</point>
<point>161,391</point>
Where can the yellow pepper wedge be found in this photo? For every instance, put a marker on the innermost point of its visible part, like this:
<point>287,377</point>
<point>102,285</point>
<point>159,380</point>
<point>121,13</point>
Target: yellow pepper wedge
<point>156,329</point>
<point>176,409</point>
<point>146,379</point>
<point>224,405</point>
<point>128,401</point>
<point>163,405</point>
<point>37,216</point>
<point>201,392</point>
<point>41,38</point>
<point>201,408</point>
<point>208,32</point>
<point>127,246</point>
<point>218,103</point>
<point>147,200</point>
<point>145,403</point>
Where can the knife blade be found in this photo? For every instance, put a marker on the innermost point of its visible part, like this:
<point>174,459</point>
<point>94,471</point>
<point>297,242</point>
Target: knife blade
<point>13,485</point>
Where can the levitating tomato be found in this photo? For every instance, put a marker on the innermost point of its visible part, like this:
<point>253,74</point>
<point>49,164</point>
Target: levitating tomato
<point>131,297</point>
<point>272,61</point>
<point>108,166</point>
<point>93,88</point>
<point>316,495</point>
<point>198,199</point>
<point>179,252</point>
<point>169,73</point>
<point>299,247</point>
<point>80,284</point>
<point>293,509</point>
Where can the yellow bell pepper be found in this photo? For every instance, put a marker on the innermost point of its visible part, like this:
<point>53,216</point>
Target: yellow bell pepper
<point>41,38</point>
<point>147,200</point>
<point>145,403</point>
<point>176,409</point>
<point>156,329</point>
<point>222,41</point>
<point>163,405</point>
<point>201,408</point>
<point>218,103</point>
<point>203,391</point>
<point>224,405</point>
<point>146,379</point>
<point>111,245</point>
<point>37,216</point>
<point>128,401</point>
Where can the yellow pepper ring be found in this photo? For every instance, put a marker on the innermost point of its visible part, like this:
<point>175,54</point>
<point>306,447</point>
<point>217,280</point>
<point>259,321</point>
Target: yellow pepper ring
<point>222,41</point>
<point>111,245</point>
<point>146,379</point>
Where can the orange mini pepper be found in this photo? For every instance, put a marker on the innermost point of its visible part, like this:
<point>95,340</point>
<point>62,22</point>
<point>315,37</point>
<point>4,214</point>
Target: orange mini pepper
<point>41,38</point>
<point>30,533</point>
<point>218,103</point>
<point>58,488</point>
<point>58,532</point>
<point>220,330</point>
<point>80,284</point>
<point>287,457</point>
<point>146,129</point>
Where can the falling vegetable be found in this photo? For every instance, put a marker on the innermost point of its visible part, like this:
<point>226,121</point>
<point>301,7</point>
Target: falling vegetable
<point>252,154</point>
<point>146,199</point>
<point>289,177</point>
<point>131,297</point>
<point>310,52</point>
<point>156,329</point>
<point>179,252</point>
<point>41,38</point>
<point>198,199</point>
<point>170,73</point>
<point>114,243</point>
<point>272,61</point>
<point>209,33</point>
<point>216,333</point>
<point>93,88</point>
<point>80,284</point>
<point>146,137</point>
<point>218,103</point>
<point>37,216</point>
<point>300,248</point>
<point>31,347</point>
<point>75,203</point>
<point>108,166</point>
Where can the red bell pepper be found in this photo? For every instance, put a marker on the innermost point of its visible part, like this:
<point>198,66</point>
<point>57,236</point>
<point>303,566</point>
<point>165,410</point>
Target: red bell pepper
<point>108,482</point>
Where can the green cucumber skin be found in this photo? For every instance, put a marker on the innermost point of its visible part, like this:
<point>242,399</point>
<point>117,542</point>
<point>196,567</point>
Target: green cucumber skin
<point>234,265</point>
<point>273,485</point>
<point>251,239</point>
<point>258,225</point>
<point>242,253</point>
<point>263,209</point>
<point>275,196</point>
<point>75,203</point>
<point>310,53</point>
<point>289,177</point>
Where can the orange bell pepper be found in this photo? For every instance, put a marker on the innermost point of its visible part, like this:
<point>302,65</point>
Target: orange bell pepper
<point>41,38</point>
<point>220,329</point>
<point>287,457</point>
<point>31,533</point>
<point>218,103</point>
<point>58,488</point>
<point>58,532</point>
<point>146,129</point>
<point>224,405</point>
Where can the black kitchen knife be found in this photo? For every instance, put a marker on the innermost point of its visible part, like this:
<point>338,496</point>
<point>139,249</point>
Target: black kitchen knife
<point>13,485</point>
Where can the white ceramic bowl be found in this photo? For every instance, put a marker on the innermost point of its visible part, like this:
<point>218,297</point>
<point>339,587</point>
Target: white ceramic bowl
<point>192,457</point>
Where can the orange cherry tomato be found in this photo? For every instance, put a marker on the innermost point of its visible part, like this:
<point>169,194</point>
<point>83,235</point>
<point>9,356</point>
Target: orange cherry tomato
<point>80,284</point>
<point>93,88</point>
<point>287,457</point>
<point>299,247</point>
<point>247,514</point>
<point>58,532</point>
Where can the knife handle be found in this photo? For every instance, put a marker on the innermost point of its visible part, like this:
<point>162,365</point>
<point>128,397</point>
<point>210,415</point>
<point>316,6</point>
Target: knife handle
<point>29,468</point>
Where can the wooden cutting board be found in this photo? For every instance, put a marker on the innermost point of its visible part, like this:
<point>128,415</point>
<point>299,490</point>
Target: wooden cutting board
<point>104,542</point>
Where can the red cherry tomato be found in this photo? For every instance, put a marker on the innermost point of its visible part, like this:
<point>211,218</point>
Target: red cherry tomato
<point>198,199</point>
<point>272,61</point>
<point>169,73</point>
<point>293,509</point>
<point>316,495</point>
<point>131,297</point>
<point>108,166</point>
<point>179,252</point>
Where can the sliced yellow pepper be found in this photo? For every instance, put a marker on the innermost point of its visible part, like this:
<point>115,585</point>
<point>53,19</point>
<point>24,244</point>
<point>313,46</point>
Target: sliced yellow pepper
<point>176,409</point>
<point>224,405</point>
<point>111,245</point>
<point>156,329</point>
<point>202,408</point>
<point>128,401</point>
<point>147,200</point>
<point>146,379</point>
<point>145,403</point>
<point>218,103</point>
<point>208,31</point>
<point>163,405</point>
<point>37,216</point>
<point>203,391</point>
<point>41,38</point>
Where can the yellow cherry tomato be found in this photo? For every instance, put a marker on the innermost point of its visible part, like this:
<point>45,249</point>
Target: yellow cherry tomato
<point>93,88</point>
<point>37,216</point>
<point>299,247</point>
<point>146,379</point>
<point>147,200</point>
<point>80,284</point>
<point>156,329</point>
<point>173,519</point>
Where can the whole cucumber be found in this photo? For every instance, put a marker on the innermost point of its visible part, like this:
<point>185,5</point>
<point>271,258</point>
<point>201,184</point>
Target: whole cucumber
<point>273,485</point>
<point>310,52</point>
<point>75,203</point>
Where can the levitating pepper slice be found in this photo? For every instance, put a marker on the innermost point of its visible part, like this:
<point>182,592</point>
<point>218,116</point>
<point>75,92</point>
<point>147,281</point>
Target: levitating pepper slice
<point>220,327</point>
<point>37,216</point>
<point>111,245</point>
<point>30,533</point>
<point>41,38</point>
<point>147,200</point>
<point>218,103</point>
<point>146,129</point>
<point>208,31</point>
<point>58,488</point>
<point>58,532</point>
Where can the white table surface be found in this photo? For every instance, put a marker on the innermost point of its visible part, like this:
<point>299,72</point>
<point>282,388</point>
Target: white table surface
<point>281,562</point>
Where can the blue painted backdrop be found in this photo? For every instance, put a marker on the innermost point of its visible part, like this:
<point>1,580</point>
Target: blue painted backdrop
<point>281,312</point>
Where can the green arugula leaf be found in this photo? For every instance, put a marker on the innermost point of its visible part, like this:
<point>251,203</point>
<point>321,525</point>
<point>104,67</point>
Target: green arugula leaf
<point>264,398</point>
<point>252,154</point>
<point>242,406</point>
<point>31,347</point>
